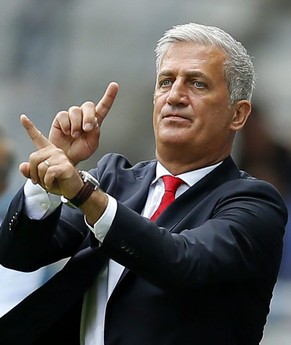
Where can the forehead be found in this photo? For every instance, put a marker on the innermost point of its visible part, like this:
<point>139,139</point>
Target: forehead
<point>193,56</point>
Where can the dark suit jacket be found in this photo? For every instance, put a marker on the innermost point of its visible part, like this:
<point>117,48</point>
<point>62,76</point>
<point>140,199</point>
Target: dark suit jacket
<point>202,274</point>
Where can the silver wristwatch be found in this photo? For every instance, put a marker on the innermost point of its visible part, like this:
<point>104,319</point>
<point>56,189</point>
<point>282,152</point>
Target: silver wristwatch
<point>90,185</point>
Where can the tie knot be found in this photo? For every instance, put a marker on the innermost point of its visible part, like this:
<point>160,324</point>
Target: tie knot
<point>172,183</point>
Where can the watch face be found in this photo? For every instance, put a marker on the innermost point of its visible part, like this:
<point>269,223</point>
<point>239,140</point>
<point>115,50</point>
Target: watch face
<point>88,177</point>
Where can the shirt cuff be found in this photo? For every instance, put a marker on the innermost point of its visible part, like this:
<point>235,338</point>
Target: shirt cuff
<point>102,226</point>
<point>38,203</point>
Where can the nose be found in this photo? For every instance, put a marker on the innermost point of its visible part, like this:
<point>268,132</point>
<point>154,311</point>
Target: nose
<point>178,94</point>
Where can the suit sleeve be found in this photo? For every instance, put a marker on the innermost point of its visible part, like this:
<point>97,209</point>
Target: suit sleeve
<point>27,244</point>
<point>241,241</point>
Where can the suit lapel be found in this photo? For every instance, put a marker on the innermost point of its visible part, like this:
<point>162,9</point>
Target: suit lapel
<point>186,202</point>
<point>137,194</point>
<point>137,188</point>
<point>182,206</point>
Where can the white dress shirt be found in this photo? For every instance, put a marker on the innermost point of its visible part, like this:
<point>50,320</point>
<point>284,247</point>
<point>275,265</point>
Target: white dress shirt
<point>39,203</point>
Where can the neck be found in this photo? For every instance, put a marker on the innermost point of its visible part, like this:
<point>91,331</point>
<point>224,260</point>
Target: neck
<point>180,165</point>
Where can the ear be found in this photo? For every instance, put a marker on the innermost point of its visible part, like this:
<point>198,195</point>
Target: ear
<point>242,110</point>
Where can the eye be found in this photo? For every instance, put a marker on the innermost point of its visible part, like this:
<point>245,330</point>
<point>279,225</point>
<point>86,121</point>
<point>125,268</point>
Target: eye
<point>199,84</point>
<point>165,83</point>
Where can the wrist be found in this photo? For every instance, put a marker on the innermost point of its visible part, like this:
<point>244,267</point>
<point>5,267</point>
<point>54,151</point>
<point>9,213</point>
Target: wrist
<point>90,184</point>
<point>94,207</point>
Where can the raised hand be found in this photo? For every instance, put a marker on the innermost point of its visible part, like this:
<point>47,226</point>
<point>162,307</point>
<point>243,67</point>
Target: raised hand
<point>48,165</point>
<point>77,131</point>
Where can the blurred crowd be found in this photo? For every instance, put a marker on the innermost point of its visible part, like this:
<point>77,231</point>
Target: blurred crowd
<point>265,158</point>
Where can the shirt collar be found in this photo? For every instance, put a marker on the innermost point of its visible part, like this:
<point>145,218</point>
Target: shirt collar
<point>190,177</point>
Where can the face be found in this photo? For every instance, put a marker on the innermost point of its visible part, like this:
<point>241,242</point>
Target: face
<point>193,121</point>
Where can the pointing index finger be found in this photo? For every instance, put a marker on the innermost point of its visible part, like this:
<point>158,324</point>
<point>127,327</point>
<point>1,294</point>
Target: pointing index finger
<point>38,139</point>
<point>104,105</point>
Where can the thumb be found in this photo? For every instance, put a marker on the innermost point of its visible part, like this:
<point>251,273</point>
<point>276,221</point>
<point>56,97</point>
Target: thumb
<point>38,139</point>
<point>24,169</point>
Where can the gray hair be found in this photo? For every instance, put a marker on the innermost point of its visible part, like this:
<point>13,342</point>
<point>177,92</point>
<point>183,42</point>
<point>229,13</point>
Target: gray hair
<point>238,68</point>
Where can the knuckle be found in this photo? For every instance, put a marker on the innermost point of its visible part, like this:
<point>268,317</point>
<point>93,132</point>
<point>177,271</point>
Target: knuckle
<point>88,104</point>
<point>59,152</point>
<point>88,108</point>
<point>61,114</point>
<point>32,156</point>
<point>74,109</point>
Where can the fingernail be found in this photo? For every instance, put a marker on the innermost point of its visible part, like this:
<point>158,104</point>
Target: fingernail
<point>88,127</point>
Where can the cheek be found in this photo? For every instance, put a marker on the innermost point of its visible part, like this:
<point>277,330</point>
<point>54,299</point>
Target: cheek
<point>158,105</point>
<point>155,119</point>
<point>159,99</point>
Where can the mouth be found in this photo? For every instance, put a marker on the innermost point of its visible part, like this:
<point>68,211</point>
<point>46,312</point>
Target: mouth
<point>176,117</point>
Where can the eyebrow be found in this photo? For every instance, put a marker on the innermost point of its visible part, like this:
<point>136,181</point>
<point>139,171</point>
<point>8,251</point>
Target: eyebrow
<point>169,72</point>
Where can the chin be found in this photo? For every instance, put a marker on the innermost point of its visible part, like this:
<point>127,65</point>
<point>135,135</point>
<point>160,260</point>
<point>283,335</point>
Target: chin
<point>174,137</point>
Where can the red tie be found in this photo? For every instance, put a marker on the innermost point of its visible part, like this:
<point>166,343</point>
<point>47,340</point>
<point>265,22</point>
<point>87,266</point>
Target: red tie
<point>171,185</point>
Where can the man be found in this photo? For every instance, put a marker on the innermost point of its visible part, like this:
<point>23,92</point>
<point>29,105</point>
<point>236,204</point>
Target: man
<point>201,272</point>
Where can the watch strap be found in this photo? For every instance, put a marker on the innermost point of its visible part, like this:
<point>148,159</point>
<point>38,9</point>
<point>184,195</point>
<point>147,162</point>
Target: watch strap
<point>83,195</point>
